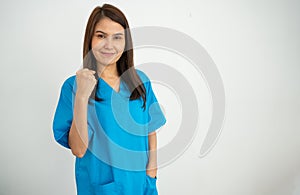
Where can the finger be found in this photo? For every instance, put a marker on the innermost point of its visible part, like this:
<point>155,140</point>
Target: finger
<point>88,70</point>
<point>91,73</point>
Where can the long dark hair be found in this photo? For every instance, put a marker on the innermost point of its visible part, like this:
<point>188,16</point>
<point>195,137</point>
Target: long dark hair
<point>125,63</point>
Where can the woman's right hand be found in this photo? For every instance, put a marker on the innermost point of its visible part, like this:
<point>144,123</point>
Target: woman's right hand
<point>86,82</point>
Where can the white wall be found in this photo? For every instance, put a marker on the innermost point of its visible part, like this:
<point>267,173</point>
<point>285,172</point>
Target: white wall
<point>255,45</point>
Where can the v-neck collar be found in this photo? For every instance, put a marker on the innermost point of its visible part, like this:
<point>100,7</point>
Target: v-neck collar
<point>107,85</point>
<point>106,90</point>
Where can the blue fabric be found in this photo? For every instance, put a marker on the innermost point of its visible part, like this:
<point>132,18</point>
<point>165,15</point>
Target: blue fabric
<point>117,156</point>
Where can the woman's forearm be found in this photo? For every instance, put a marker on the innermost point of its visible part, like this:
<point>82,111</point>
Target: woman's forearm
<point>78,136</point>
<point>152,163</point>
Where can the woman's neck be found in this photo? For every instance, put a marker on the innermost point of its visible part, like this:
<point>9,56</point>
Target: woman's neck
<point>109,71</point>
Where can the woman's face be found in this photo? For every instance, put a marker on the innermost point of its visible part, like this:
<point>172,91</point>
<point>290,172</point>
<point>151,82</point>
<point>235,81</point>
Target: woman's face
<point>108,42</point>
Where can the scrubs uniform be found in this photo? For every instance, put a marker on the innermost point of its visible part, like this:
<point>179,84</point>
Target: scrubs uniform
<point>116,159</point>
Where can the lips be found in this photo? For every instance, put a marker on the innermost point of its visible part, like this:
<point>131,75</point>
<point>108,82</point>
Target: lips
<point>107,54</point>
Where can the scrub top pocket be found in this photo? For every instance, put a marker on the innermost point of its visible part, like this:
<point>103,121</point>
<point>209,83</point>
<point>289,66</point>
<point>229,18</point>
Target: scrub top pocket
<point>150,186</point>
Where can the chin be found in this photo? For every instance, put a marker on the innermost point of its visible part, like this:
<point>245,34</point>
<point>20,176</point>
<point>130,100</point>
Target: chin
<point>106,62</point>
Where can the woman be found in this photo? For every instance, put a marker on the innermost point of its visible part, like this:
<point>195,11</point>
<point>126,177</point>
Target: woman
<point>107,113</point>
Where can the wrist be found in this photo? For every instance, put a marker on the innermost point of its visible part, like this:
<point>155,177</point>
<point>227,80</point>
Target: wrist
<point>82,98</point>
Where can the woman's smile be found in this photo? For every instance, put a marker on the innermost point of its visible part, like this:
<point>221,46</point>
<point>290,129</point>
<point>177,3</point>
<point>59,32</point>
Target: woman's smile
<point>108,42</point>
<point>107,54</point>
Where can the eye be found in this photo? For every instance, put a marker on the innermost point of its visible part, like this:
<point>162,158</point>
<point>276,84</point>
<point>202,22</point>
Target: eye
<point>118,37</point>
<point>101,36</point>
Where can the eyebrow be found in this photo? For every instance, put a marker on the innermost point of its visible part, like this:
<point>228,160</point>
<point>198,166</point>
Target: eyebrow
<point>99,31</point>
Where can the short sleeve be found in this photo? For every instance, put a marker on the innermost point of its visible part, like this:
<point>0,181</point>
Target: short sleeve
<point>156,117</point>
<point>63,116</point>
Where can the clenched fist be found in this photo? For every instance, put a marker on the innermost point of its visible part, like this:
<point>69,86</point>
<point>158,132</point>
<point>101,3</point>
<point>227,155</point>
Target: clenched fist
<point>86,82</point>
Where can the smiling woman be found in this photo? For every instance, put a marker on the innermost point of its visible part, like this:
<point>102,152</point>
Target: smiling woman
<point>115,146</point>
<point>108,43</point>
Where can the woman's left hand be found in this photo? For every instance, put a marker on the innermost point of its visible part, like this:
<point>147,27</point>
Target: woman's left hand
<point>152,173</point>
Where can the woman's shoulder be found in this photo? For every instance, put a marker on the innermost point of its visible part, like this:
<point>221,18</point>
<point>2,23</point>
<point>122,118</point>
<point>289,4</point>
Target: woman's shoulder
<point>70,80</point>
<point>143,76</point>
<point>69,83</point>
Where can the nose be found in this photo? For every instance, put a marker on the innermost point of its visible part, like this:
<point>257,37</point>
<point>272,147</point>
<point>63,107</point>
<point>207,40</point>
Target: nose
<point>108,44</point>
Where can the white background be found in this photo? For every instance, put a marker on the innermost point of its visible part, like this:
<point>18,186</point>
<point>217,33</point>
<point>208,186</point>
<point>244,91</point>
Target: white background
<point>255,45</point>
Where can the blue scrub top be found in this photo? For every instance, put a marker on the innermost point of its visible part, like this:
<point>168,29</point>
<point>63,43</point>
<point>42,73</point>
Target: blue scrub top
<point>117,156</point>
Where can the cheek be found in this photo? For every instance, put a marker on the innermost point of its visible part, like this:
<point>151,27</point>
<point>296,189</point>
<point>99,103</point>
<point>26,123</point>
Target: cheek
<point>95,44</point>
<point>120,47</point>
